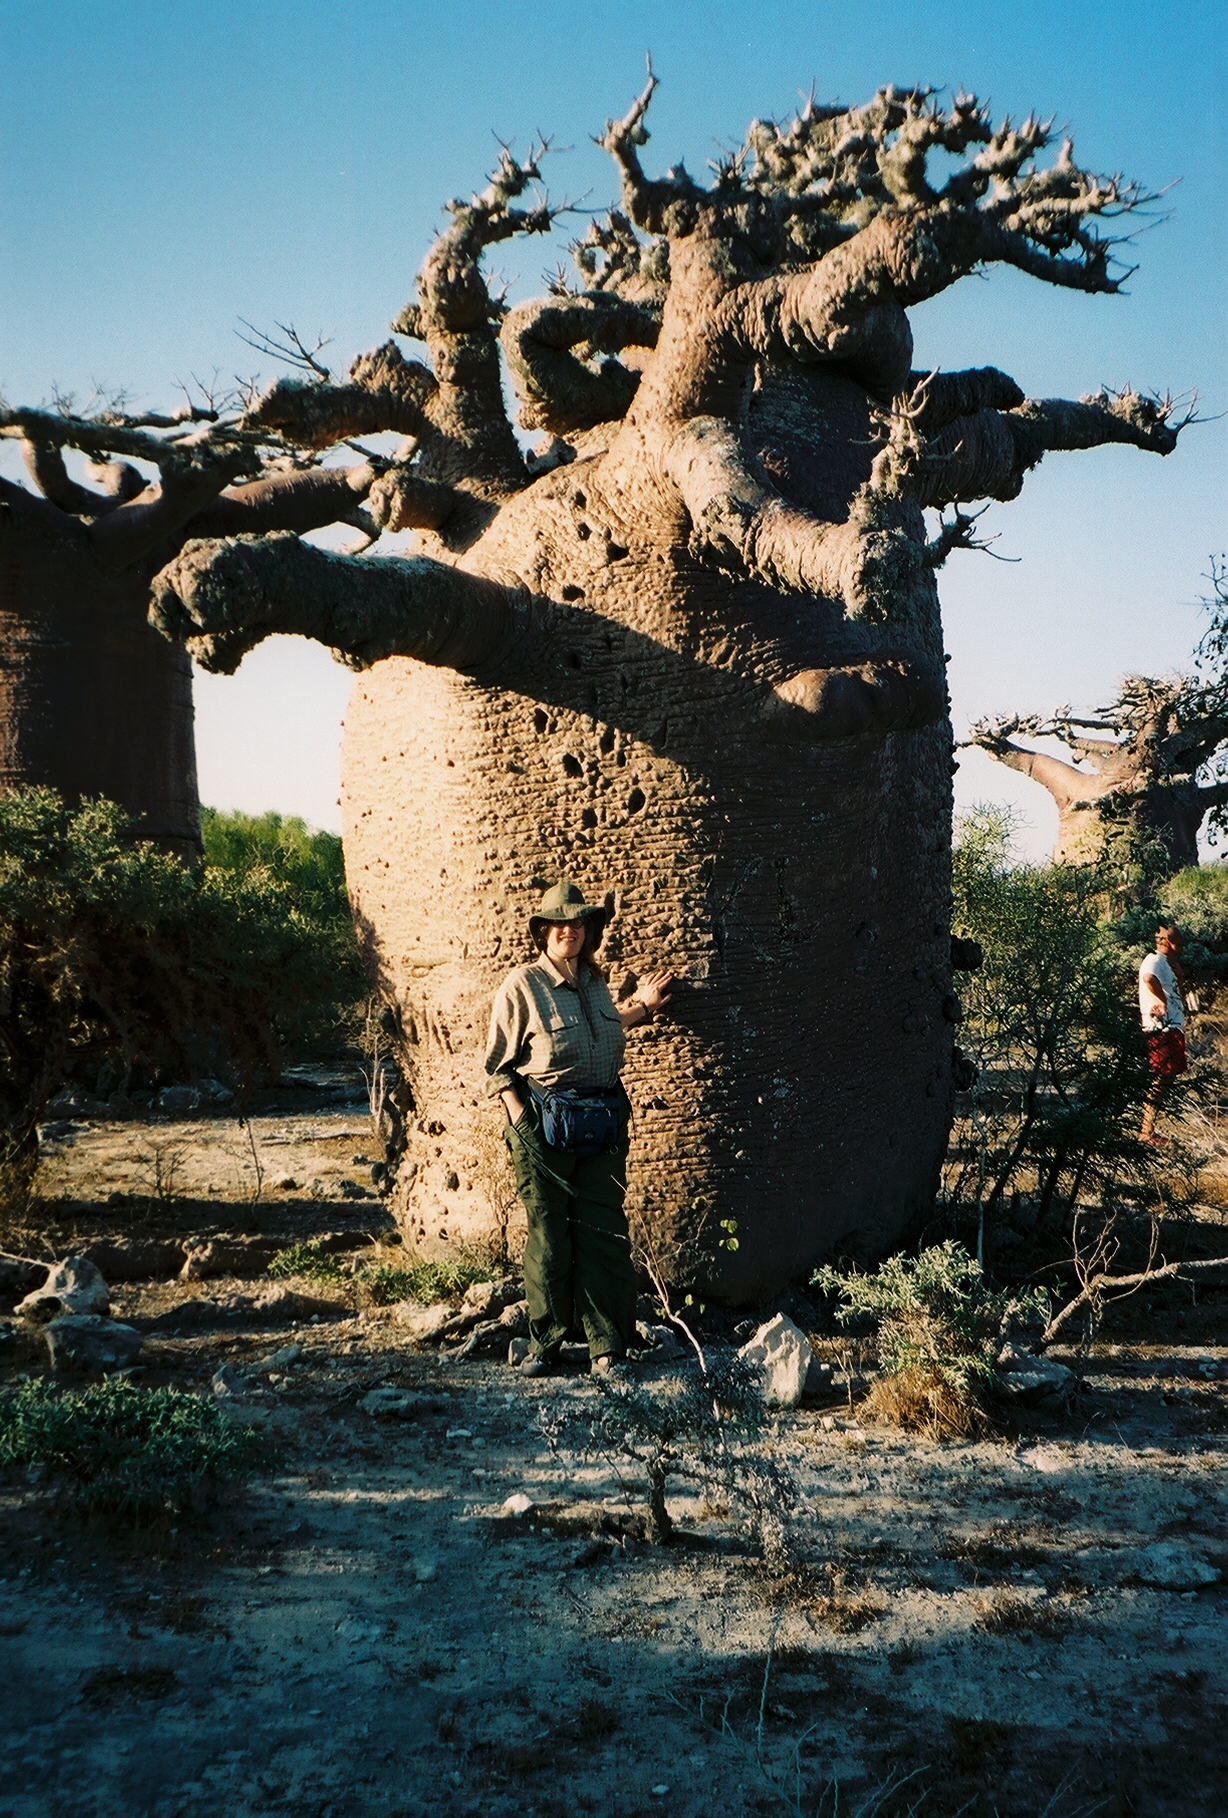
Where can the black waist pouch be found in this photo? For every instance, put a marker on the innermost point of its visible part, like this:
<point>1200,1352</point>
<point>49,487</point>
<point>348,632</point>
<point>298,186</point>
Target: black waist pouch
<point>582,1122</point>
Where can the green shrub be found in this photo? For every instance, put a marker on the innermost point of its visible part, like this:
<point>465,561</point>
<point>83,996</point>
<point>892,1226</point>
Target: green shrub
<point>309,1260</point>
<point>444,1279</point>
<point>939,1327</point>
<point>307,859</point>
<point>1051,1022</point>
<point>114,956</point>
<point>121,1450</point>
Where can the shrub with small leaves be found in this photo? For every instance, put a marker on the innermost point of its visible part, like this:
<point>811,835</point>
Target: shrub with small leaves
<point>939,1330</point>
<point>308,1260</point>
<point>438,1279</point>
<point>122,1450</point>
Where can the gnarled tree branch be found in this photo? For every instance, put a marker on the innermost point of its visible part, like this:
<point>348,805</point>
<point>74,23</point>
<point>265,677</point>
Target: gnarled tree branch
<point>559,390</point>
<point>224,598</point>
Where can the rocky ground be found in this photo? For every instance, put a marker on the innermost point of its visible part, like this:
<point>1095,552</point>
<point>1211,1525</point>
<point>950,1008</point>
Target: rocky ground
<point>1031,1624</point>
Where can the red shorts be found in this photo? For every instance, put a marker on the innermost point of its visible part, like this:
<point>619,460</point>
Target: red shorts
<point>1166,1052</point>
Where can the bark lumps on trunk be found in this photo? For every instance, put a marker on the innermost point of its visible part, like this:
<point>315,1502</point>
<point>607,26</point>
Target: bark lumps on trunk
<point>690,656</point>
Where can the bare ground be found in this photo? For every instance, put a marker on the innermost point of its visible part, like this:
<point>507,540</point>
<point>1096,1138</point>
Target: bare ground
<point>361,1631</point>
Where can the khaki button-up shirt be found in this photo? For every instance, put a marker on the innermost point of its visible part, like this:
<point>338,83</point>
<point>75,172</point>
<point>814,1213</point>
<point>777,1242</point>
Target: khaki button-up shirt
<point>553,1032</point>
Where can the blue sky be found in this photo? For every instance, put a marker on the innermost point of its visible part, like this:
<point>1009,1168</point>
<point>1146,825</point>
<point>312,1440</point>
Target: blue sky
<point>167,169</point>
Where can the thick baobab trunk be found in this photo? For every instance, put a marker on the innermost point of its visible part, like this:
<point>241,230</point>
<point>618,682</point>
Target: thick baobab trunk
<point>696,667</point>
<point>93,702</point>
<point>800,890</point>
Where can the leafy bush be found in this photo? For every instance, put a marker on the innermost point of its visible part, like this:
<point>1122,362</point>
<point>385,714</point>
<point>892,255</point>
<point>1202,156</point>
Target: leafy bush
<point>309,1260</point>
<point>307,859</point>
<point>111,953</point>
<point>939,1328</point>
<point>121,1450</point>
<point>1051,1023</point>
<point>440,1279</point>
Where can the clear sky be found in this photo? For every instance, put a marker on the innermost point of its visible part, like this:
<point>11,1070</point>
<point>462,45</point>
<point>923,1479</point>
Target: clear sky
<point>168,168</point>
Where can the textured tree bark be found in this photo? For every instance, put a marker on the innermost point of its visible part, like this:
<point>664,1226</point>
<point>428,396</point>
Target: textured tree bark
<point>691,657</point>
<point>92,701</point>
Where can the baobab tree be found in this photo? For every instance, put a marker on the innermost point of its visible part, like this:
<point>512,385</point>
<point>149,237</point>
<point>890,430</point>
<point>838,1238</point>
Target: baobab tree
<point>1156,758</point>
<point>92,701</point>
<point>691,654</point>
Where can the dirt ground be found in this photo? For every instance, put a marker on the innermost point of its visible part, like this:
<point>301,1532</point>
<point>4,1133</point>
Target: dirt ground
<point>974,1628</point>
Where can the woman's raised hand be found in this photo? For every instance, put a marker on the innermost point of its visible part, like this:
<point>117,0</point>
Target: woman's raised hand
<point>653,991</point>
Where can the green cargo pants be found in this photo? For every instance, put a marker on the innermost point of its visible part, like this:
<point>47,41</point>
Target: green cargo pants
<point>577,1261</point>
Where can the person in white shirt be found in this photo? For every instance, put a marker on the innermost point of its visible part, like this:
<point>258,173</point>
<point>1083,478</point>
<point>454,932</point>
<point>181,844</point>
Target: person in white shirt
<point>1161,1005</point>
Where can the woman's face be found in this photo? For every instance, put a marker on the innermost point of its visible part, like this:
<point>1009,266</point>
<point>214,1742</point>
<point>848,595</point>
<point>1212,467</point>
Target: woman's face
<point>564,940</point>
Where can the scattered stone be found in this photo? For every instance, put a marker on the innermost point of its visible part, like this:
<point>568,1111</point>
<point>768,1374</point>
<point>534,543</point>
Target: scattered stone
<point>353,1189</point>
<point>482,1300</point>
<point>422,1323</point>
<point>1048,1460</point>
<point>1208,1367</point>
<point>73,1286</point>
<point>178,1099</point>
<point>781,1353</point>
<point>286,1183</point>
<point>517,1351</point>
<point>392,1404</point>
<point>426,1571</point>
<point>226,1381</point>
<point>216,1093</point>
<point>87,1341</point>
<point>288,1354</point>
<point>286,1303</point>
<point>519,1504</point>
<point>1168,1567</point>
<point>662,1341</point>
<point>228,1256</point>
<point>1027,1378</point>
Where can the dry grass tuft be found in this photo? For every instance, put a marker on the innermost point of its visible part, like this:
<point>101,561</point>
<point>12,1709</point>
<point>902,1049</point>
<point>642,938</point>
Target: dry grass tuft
<point>1005,1612</point>
<point>922,1402</point>
<point>845,1608</point>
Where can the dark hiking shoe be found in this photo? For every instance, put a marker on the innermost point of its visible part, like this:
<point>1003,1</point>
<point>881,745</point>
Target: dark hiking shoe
<point>614,1369</point>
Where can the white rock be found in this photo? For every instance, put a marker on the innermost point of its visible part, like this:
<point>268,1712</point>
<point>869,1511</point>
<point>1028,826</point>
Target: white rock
<point>1033,1381</point>
<point>517,1351</point>
<point>519,1504</point>
<point>73,1286</point>
<point>781,1352</point>
<point>662,1340</point>
<point>1172,1568</point>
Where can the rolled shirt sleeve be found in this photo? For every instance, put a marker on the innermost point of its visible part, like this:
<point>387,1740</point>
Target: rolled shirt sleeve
<point>505,1044</point>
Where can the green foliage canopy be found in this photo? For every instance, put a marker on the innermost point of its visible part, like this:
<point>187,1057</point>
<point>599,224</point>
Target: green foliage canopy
<point>111,952</point>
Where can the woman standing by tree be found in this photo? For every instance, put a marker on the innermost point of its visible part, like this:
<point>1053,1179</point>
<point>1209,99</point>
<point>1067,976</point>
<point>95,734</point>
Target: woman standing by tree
<point>555,1051</point>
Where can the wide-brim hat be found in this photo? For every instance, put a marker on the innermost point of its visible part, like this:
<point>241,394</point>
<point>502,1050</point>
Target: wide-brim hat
<point>565,903</point>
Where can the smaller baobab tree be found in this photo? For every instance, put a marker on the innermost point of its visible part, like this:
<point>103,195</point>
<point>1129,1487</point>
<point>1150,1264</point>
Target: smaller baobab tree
<point>93,703</point>
<point>1147,770</point>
